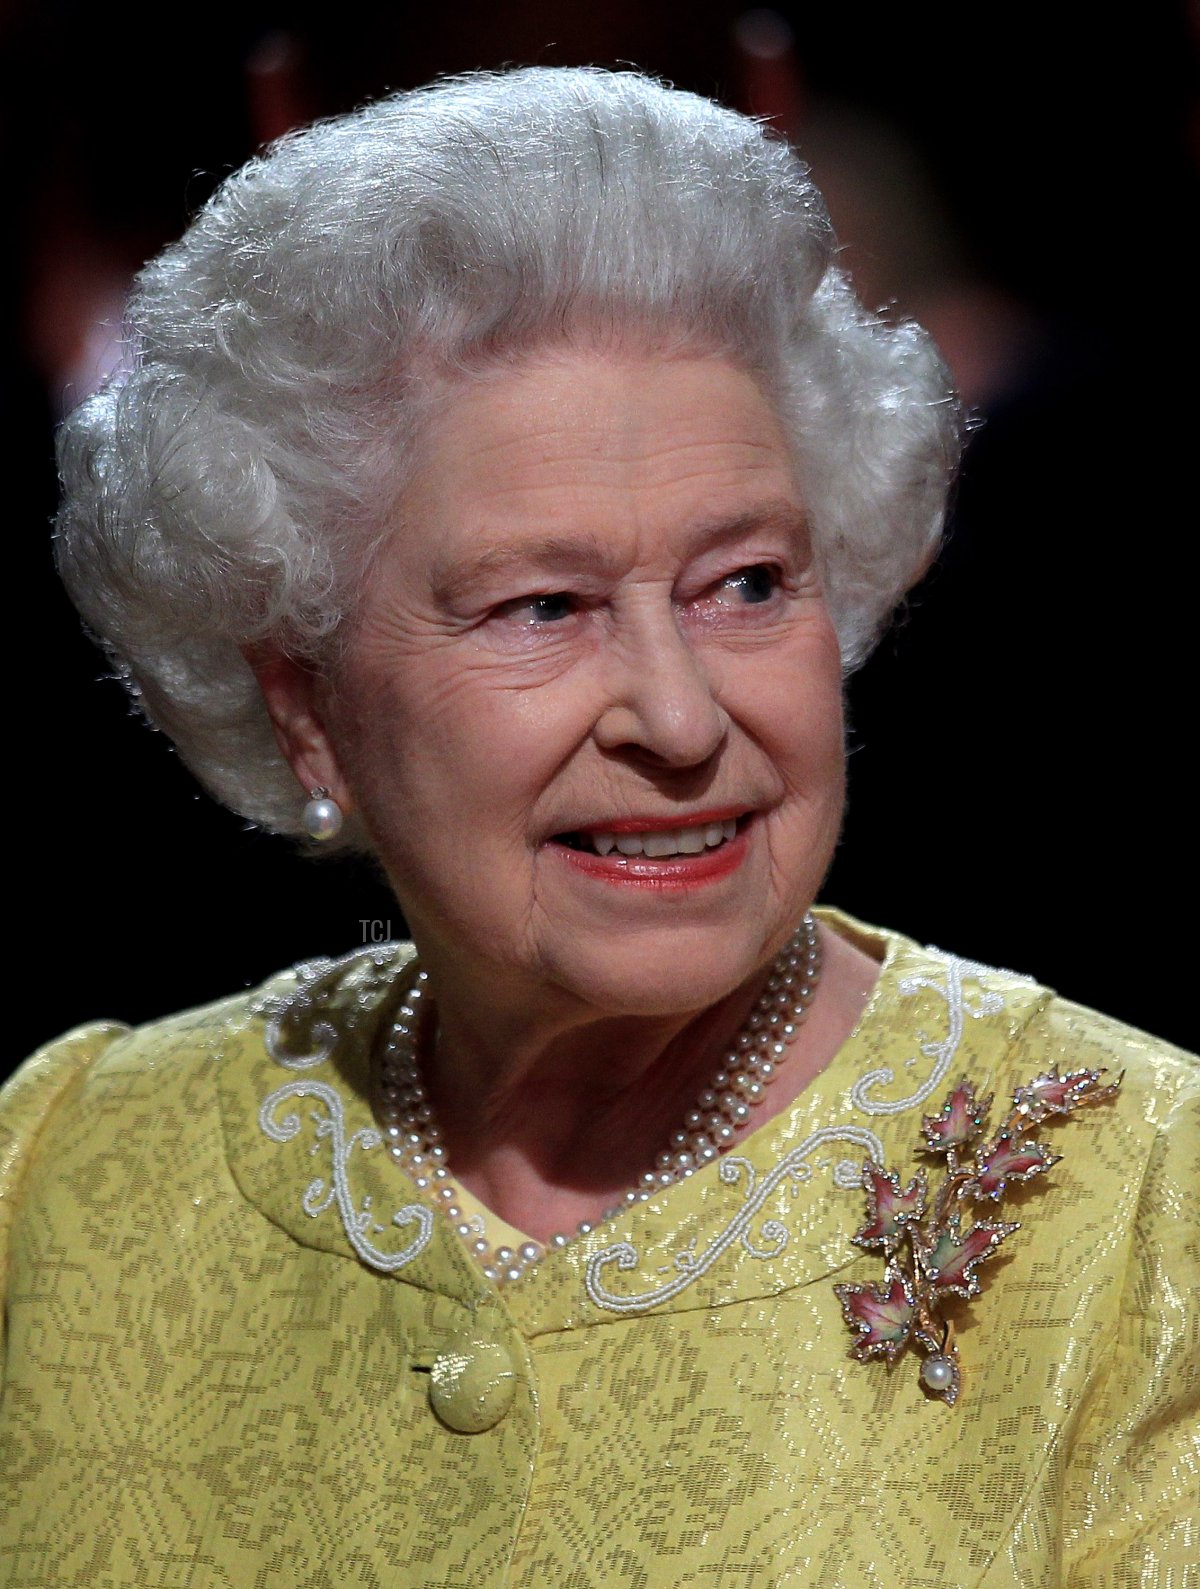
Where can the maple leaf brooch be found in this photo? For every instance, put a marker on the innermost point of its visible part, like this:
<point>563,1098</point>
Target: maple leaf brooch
<point>928,1256</point>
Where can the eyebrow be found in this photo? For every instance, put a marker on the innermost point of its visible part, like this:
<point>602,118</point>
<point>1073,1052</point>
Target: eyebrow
<point>548,553</point>
<point>776,514</point>
<point>585,551</point>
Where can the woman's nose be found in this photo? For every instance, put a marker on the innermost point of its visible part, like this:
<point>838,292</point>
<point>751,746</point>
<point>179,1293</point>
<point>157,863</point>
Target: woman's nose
<point>660,699</point>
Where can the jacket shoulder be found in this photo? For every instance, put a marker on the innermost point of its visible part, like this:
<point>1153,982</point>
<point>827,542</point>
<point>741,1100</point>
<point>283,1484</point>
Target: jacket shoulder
<point>296,1006</point>
<point>106,1080</point>
<point>30,1097</point>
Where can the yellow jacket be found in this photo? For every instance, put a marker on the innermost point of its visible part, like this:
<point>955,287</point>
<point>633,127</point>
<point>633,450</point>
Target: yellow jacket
<point>239,1351</point>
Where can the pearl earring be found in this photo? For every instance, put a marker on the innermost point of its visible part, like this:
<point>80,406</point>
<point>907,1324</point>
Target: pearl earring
<point>322,817</point>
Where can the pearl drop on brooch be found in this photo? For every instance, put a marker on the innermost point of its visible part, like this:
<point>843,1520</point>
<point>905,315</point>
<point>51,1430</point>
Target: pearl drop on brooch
<point>938,1373</point>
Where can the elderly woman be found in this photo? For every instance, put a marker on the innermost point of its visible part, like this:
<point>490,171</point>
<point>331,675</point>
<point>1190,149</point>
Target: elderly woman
<point>504,483</point>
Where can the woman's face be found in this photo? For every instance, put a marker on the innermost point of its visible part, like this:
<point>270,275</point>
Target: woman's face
<point>596,648</point>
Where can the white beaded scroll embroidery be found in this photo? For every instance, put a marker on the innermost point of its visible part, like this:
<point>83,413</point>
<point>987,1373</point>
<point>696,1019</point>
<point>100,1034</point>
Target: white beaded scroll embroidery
<point>690,1265</point>
<point>374,969</point>
<point>358,1219</point>
<point>941,1050</point>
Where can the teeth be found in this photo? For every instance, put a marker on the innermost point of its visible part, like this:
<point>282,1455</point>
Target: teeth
<point>667,841</point>
<point>658,844</point>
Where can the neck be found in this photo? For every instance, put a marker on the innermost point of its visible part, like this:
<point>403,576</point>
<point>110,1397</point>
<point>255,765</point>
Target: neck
<point>555,1123</point>
<point>576,1115</point>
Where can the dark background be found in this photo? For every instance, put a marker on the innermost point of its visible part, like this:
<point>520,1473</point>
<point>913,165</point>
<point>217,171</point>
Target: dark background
<point>1022,180</point>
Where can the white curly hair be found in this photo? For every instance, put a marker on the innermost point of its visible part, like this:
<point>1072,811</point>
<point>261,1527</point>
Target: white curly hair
<point>232,485</point>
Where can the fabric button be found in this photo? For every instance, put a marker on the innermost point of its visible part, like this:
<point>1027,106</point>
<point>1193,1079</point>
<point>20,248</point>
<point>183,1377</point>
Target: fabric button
<point>471,1384</point>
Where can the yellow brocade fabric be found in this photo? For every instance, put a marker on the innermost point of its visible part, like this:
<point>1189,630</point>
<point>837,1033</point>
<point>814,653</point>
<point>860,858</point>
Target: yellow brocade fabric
<point>240,1351</point>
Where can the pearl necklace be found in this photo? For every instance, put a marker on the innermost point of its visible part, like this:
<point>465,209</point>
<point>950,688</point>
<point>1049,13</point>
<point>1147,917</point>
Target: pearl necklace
<point>722,1109</point>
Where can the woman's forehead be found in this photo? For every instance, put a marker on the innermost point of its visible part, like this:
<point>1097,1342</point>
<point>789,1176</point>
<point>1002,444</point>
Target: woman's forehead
<point>567,445</point>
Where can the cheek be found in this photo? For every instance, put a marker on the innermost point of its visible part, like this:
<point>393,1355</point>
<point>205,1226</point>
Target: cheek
<point>829,749</point>
<point>792,706</point>
<point>820,696</point>
<point>451,750</point>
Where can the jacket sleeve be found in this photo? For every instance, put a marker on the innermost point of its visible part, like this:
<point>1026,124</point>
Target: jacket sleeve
<point>28,1102</point>
<point>1132,1502</point>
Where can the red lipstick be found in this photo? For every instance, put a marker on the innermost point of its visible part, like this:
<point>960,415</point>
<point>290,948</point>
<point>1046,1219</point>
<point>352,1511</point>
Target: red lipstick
<point>668,874</point>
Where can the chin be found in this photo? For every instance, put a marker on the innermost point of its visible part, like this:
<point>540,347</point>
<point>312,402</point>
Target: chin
<point>663,974</point>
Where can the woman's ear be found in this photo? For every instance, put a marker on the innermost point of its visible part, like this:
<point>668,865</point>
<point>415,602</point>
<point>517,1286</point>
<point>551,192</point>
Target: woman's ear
<point>293,699</point>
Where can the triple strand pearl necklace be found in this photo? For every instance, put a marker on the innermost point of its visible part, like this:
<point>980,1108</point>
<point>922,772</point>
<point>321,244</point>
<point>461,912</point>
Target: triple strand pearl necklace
<point>722,1110</point>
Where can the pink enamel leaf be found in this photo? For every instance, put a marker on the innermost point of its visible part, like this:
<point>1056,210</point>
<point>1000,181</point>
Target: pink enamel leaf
<point>1059,1095</point>
<point>889,1209</point>
<point>1007,1160</point>
<point>882,1315</point>
<point>948,1262</point>
<point>959,1122</point>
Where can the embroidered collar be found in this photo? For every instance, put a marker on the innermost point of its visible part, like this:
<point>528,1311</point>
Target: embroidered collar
<point>304,1148</point>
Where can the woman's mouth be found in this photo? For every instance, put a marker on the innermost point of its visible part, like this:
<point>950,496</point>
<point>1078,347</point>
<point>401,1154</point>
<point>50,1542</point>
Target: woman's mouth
<point>656,843</point>
<point>657,857</point>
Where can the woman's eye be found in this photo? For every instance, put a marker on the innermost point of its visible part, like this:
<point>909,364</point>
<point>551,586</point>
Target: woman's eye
<point>533,610</point>
<point>756,584</point>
